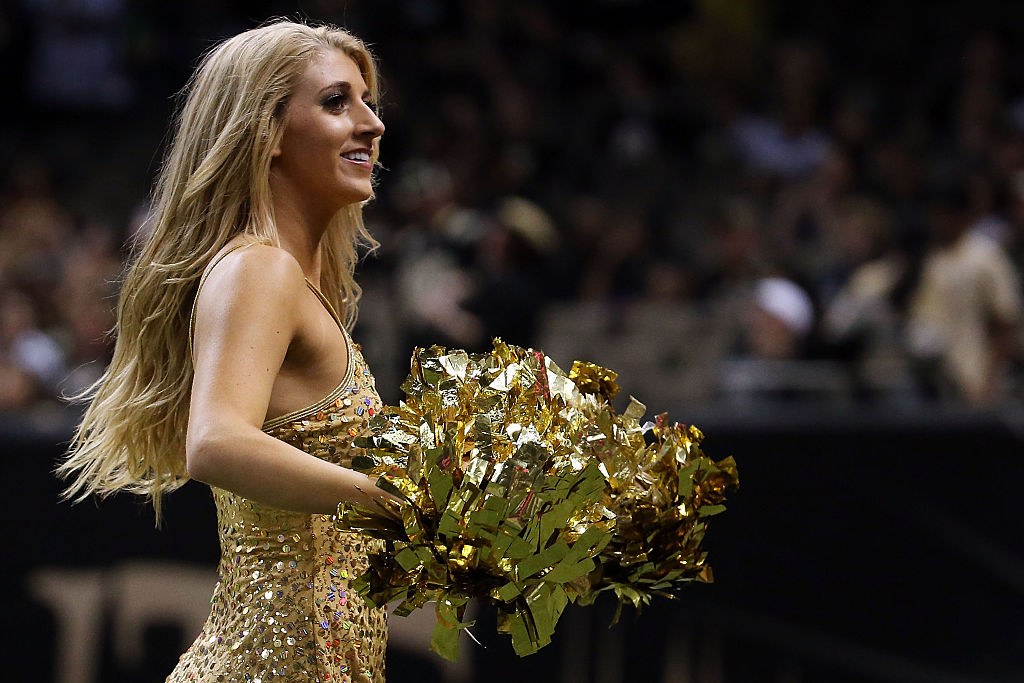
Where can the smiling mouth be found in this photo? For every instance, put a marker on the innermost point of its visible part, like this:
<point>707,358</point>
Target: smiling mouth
<point>358,157</point>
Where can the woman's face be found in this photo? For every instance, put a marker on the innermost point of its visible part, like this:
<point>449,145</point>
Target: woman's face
<point>323,158</point>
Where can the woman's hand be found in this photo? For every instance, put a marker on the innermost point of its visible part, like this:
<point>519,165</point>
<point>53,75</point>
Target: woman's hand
<point>373,497</point>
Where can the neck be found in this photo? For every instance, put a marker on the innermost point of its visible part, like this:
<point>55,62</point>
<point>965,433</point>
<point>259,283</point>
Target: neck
<point>300,226</point>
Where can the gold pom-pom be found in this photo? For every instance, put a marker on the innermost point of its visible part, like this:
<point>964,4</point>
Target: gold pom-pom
<point>523,488</point>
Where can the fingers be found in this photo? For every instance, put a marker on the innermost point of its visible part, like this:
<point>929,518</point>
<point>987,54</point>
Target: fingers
<point>387,497</point>
<point>377,498</point>
<point>388,503</point>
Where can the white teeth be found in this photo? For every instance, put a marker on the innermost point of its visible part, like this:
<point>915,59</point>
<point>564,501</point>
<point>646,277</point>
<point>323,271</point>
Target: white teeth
<point>357,156</point>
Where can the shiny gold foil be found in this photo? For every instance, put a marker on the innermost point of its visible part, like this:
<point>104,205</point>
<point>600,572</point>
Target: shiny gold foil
<point>524,489</point>
<point>662,497</point>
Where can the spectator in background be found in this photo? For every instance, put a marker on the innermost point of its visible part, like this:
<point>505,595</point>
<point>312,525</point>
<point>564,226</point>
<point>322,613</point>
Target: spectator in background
<point>433,282</point>
<point>965,312</point>
<point>510,270</point>
<point>34,228</point>
<point>803,223</point>
<point>32,362</point>
<point>585,219</point>
<point>861,322</point>
<point>787,143</point>
<point>85,299</point>
<point>618,264</point>
<point>781,317</point>
<point>737,263</point>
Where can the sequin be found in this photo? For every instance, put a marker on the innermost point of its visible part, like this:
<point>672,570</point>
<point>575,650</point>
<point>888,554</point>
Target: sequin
<point>278,597</point>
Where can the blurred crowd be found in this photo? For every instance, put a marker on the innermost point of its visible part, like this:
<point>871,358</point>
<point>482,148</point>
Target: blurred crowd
<point>724,201</point>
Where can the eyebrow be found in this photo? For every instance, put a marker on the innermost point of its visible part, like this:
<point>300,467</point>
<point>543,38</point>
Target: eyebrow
<point>344,85</point>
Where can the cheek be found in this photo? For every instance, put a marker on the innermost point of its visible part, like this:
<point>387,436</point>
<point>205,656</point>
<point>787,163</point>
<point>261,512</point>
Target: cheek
<point>315,137</point>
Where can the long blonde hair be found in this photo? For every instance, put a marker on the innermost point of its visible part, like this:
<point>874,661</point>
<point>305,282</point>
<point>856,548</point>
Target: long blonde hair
<point>213,185</point>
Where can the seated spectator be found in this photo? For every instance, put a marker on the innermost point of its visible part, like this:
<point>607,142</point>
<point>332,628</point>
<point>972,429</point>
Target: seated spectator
<point>781,317</point>
<point>772,364</point>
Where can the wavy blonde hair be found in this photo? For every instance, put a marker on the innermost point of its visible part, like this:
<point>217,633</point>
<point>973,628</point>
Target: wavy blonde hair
<point>213,185</point>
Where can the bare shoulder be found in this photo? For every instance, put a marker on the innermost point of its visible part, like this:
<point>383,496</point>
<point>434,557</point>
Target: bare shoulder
<point>255,271</point>
<point>250,291</point>
<point>261,259</point>
<point>246,319</point>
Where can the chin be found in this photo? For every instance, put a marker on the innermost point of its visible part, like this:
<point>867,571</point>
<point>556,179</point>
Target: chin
<point>354,196</point>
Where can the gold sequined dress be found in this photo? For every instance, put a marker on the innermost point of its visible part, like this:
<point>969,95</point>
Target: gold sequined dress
<point>282,609</point>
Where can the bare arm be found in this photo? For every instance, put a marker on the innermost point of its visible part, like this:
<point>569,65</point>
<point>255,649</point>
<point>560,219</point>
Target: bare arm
<point>245,320</point>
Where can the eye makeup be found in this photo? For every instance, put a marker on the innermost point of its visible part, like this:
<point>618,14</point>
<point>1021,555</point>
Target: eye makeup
<point>335,101</point>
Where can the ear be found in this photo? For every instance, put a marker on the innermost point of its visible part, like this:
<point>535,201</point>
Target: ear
<point>272,126</point>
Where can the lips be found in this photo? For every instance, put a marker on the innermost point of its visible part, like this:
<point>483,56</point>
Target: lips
<point>361,156</point>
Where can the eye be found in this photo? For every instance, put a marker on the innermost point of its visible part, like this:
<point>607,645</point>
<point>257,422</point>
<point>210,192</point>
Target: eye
<point>335,101</point>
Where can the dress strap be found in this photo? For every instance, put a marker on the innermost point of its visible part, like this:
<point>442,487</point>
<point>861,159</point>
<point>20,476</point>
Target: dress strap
<point>327,304</point>
<point>195,302</point>
<point>316,290</point>
<point>343,386</point>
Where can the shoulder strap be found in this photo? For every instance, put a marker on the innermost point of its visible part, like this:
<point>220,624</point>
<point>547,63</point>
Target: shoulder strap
<point>327,304</point>
<point>192,318</point>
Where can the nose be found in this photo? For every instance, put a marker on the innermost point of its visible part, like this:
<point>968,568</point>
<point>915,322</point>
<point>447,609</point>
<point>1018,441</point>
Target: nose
<point>371,123</point>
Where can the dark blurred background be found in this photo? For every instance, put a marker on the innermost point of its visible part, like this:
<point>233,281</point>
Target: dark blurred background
<point>798,225</point>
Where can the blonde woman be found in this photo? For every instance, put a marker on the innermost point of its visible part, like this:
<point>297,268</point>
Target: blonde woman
<point>233,364</point>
